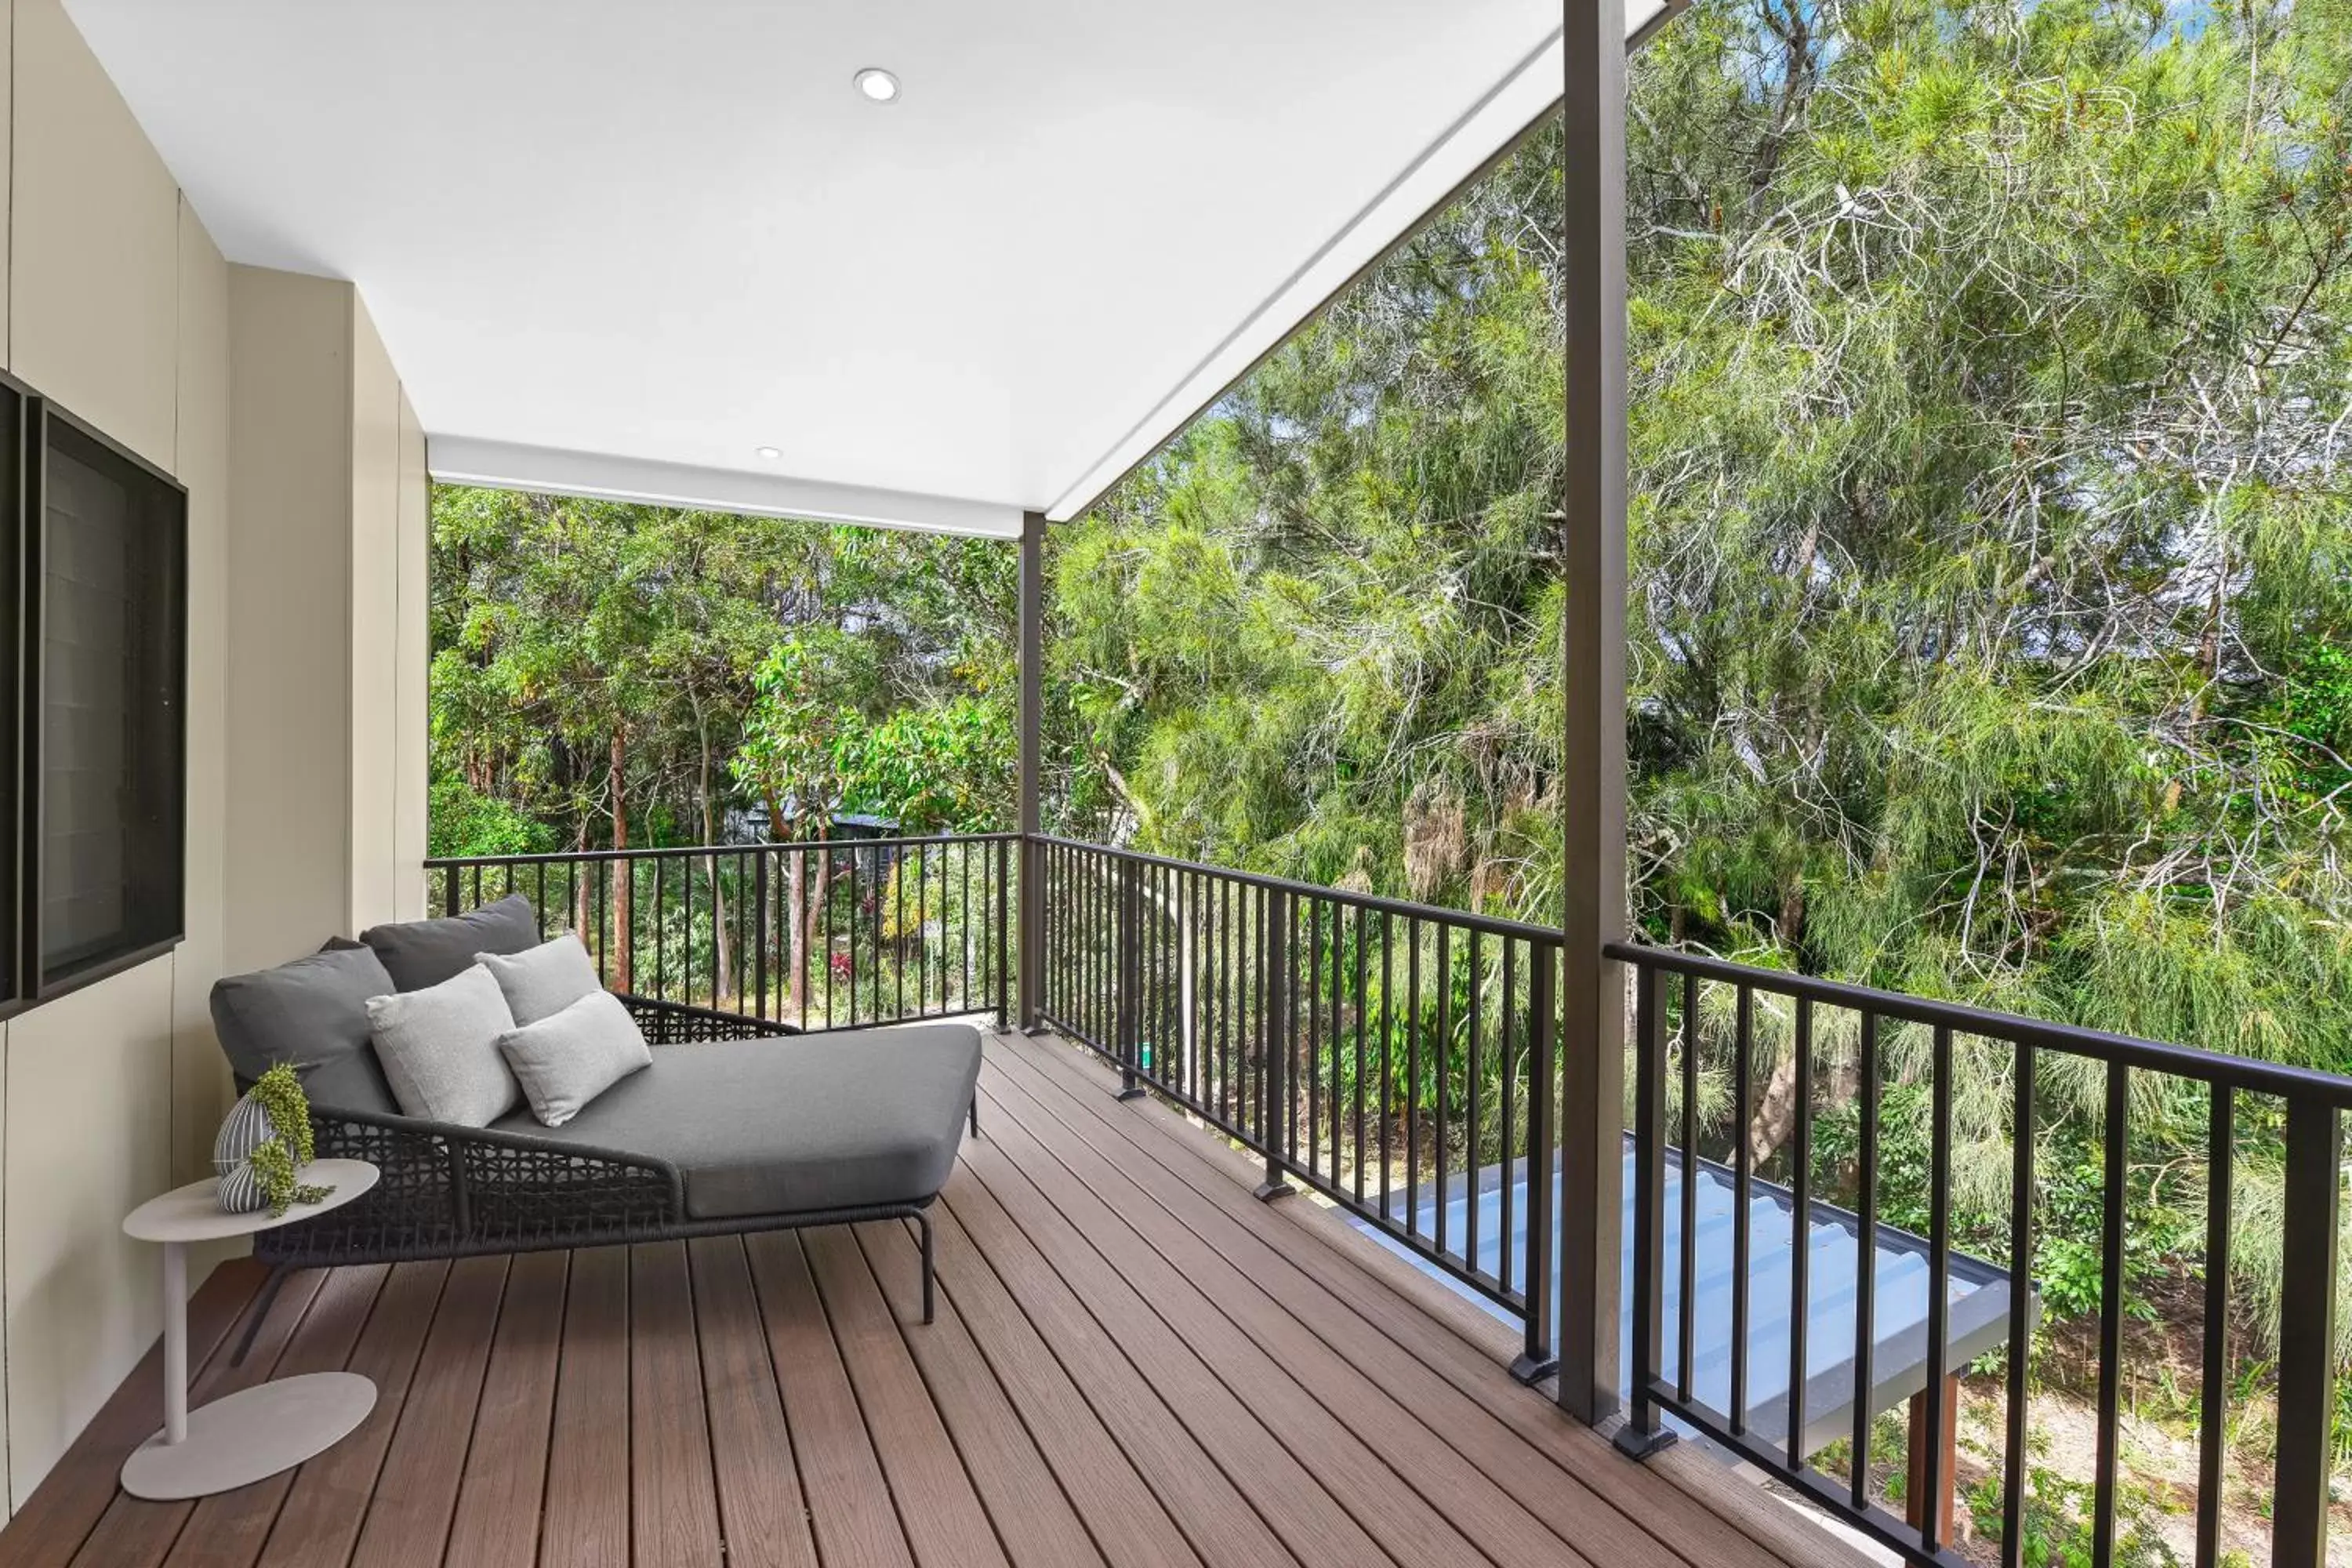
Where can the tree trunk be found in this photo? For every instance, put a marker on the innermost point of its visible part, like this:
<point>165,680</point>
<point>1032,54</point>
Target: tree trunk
<point>723,974</point>
<point>795,932</point>
<point>584,889</point>
<point>623,938</point>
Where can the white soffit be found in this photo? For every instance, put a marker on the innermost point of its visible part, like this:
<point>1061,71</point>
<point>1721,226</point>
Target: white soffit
<point>617,248</point>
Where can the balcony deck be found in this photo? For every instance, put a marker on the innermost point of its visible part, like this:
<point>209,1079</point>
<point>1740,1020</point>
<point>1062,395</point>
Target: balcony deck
<point>1134,1362</point>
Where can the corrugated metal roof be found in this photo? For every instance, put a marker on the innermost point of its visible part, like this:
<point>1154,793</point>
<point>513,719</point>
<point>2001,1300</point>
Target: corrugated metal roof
<point>1979,1299</point>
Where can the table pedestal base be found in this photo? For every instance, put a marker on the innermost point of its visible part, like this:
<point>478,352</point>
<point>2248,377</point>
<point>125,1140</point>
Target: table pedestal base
<point>250,1434</point>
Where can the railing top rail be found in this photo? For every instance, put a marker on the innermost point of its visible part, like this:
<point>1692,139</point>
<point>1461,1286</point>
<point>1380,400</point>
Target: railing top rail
<point>1490,925</point>
<point>2246,1073</point>
<point>704,851</point>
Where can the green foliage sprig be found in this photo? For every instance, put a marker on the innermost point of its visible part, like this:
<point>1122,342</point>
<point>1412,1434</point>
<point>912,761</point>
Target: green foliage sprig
<point>290,1147</point>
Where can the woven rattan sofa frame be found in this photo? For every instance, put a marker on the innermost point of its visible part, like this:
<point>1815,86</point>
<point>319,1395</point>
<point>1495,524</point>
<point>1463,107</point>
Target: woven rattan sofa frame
<point>449,1192</point>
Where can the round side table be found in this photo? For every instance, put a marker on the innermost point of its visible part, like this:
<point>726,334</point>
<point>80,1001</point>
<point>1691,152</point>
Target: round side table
<point>259,1431</point>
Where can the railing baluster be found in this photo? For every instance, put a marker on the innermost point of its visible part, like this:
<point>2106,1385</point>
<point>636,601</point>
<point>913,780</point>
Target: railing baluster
<point>2021,1307</point>
<point>759,932</point>
<point>1800,1228</point>
<point>2307,1369</point>
<point>1742,1174</point>
<point>1412,1078</point>
<point>1338,1115</point>
<point>1643,1434</point>
<point>1386,1097</point>
<point>1315,1042</point>
<point>1865,1273</point>
<point>1504,1040</point>
<point>1931,1464</point>
<point>1472,1155</point>
<point>1130,972</point>
<point>1537,1362</point>
<point>1356,1067</point>
<point>1445,955</point>
<point>1687,1251</point>
<point>2111,1312</point>
<point>661,977</point>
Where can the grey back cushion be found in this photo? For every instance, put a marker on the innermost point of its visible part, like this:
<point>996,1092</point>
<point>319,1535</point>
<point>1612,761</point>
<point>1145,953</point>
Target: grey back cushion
<point>418,954</point>
<point>546,980</point>
<point>312,1013</point>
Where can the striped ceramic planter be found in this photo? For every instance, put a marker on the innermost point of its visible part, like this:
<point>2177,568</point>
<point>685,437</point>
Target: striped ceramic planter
<point>240,1191</point>
<point>248,1128</point>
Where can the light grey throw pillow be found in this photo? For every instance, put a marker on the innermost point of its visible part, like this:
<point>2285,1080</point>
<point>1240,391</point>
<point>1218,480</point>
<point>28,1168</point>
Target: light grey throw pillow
<point>439,1048</point>
<point>546,980</point>
<point>567,1061</point>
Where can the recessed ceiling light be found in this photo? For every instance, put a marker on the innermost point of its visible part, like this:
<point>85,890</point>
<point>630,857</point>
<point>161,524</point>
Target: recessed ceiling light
<point>876,84</point>
<point>769,453</point>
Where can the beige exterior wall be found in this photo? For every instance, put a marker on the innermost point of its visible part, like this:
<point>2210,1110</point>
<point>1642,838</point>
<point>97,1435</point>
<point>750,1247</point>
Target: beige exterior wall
<point>374,621</point>
<point>412,663</point>
<point>288,829</point>
<point>270,398</point>
<point>327,486</point>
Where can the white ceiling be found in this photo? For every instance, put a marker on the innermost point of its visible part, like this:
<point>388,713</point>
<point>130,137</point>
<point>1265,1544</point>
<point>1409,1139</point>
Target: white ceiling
<point>615,247</point>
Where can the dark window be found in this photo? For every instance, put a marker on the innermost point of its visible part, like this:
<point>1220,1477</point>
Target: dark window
<point>107,563</point>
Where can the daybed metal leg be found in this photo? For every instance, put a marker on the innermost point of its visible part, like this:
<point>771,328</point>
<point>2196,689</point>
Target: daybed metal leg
<point>262,1302</point>
<point>924,1220</point>
<point>975,1115</point>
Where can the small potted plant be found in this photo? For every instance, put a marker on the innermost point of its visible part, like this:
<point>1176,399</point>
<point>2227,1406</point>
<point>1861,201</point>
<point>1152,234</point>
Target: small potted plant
<point>264,1144</point>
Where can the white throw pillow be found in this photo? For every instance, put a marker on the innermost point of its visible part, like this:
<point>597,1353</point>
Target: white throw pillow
<point>439,1048</point>
<point>544,981</point>
<point>565,1061</point>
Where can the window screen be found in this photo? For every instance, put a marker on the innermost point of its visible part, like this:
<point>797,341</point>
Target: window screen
<point>110,740</point>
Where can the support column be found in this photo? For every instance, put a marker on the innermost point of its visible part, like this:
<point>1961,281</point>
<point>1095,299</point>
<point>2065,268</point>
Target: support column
<point>1592,563</point>
<point>1033,684</point>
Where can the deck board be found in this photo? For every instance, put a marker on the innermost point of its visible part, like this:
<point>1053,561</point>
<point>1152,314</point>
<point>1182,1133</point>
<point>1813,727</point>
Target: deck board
<point>674,1492</point>
<point>587,1507</point>
<point>70,1501</point>
<point>135,1532</point>
<point>496,1521</point>
<point>760,1507</point>
<point>1032,1511</point>
<point>229,1531</point>
<point>1135,1364</point>
<point>946,1526</point>
<point>408,1516</point>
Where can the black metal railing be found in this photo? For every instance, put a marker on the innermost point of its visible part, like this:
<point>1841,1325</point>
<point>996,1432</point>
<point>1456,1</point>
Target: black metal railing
<point>1398,1059</point>
<point>815,936</point>
<point>1697,1027</point>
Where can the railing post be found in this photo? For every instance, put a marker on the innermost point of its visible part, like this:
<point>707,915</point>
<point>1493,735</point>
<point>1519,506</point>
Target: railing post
<point>1032,720</point>
<point>2307,1369</point>
<point>449,890</point>
<point>1001,851</point>
<point>1643,1434</point>
<point>1592,686</point>
<point>759,936</point>
<point>1129,1012</point>
<point>1542,1250</point>
<point>1275,1047</point>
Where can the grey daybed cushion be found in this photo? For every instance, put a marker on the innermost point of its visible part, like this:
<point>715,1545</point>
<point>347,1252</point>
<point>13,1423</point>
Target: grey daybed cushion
<point>854,1119</point>
<point>312,1013</point>
<point>569,1058</point>
<point>418,954</point>
<point>544,980</point>
<point>439,1048</point>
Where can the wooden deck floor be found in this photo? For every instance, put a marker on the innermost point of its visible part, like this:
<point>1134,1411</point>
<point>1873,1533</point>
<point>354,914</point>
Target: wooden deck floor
<point>1134,1364</point>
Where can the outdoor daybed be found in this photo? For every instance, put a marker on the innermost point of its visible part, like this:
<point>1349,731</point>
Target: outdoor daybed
<point>736,1126</point>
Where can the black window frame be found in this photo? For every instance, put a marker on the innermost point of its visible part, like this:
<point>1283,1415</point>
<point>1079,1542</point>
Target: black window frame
<point>27,420</point>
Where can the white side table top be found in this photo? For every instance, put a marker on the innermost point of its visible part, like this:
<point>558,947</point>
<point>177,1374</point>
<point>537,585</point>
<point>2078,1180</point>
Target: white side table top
<point>193,1213</point>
